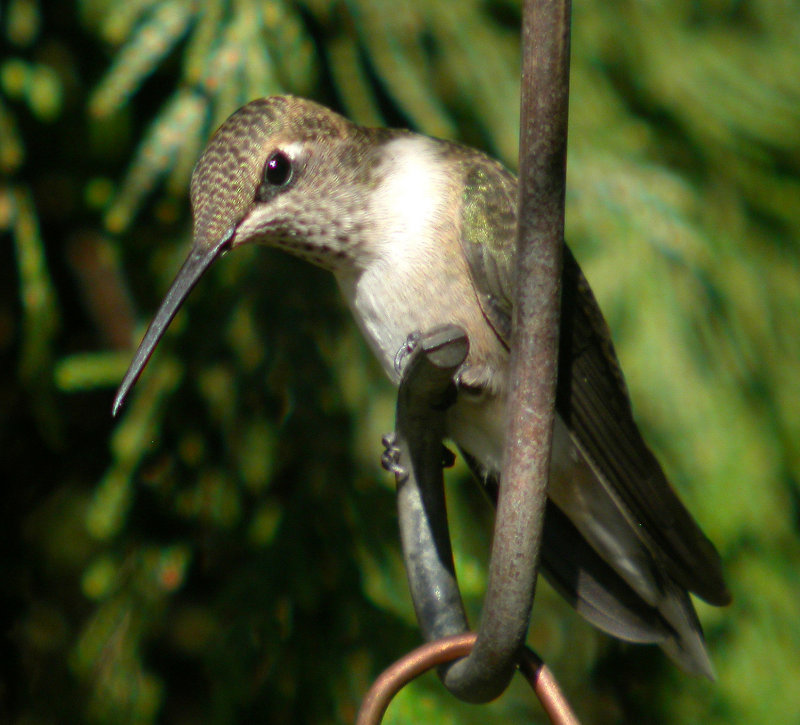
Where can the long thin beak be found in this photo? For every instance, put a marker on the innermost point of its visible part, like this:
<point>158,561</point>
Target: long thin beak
<point>198,261</point>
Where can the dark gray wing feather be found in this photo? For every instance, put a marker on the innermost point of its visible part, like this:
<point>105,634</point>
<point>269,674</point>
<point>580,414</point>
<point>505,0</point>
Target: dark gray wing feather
<point>593,401</point>
<point>605,599</point>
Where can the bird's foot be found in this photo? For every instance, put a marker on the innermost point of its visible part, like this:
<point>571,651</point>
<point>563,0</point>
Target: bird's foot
<point>403,354</point>
<point>390,458</point>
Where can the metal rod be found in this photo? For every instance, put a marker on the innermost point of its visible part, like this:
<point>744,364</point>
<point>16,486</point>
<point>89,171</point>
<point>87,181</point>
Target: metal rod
<point>420,660</point>
<point>486,672</point>
<point>414,454</point>
<point>547,689</point>
<point>425,393</point>
<point>445,650</point>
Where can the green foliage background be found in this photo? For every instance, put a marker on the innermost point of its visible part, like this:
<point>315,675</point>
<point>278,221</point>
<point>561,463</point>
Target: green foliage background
<point>227,551</point>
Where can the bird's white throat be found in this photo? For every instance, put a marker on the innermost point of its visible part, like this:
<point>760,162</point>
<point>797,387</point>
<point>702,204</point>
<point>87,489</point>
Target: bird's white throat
<point>387,295</point>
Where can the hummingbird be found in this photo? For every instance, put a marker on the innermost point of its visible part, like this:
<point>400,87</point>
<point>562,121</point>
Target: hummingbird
<point>420,232</point>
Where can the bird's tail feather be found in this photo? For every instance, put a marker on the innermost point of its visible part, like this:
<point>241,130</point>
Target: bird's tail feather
<point>606,600</point>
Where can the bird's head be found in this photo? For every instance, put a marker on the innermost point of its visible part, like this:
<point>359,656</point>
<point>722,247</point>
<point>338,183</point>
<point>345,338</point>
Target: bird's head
<point>281,171</point>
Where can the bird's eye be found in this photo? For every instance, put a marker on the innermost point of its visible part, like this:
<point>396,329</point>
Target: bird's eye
<point>278,170</point>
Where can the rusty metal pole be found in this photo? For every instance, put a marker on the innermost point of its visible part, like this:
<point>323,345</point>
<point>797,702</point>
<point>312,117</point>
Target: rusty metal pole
<point>486,672</point>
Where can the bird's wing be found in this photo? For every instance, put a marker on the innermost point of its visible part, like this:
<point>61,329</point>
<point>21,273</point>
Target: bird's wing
<point>604,598</point>
<point>488,227</point>
<point>592,398</point>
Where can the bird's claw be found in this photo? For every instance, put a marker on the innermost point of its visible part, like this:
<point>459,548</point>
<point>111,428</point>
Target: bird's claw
<point>390,458</point>
<point>401,358</point>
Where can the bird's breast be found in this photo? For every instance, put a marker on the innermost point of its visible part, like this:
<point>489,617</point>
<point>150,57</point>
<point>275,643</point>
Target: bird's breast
<point>390,301</point>
<point>413,276</point>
